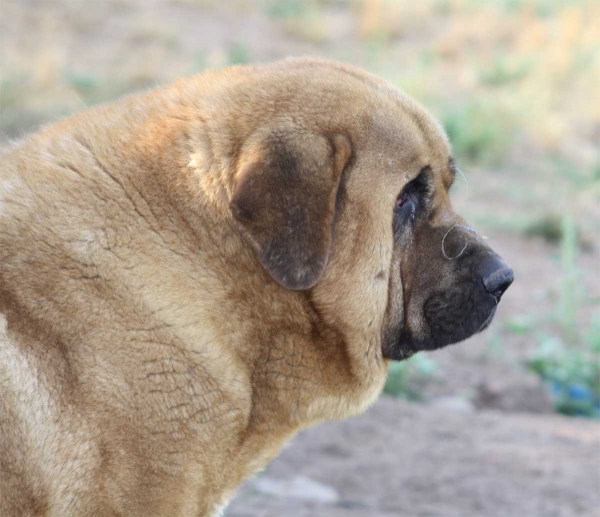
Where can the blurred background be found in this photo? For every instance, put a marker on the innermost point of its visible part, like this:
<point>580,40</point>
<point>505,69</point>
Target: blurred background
<point>507,423</point>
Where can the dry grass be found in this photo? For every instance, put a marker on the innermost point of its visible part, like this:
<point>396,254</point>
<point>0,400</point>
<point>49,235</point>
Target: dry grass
<point>515,81</point>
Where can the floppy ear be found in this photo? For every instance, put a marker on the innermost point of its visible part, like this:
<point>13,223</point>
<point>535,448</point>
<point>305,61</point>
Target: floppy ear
<point>283,203</point>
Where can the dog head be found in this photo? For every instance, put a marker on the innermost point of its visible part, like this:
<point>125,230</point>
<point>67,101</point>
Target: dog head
<point>343,192</point>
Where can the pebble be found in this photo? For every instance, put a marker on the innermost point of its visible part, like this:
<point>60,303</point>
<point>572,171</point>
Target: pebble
<point>299,487</point>
<point>449,403</point>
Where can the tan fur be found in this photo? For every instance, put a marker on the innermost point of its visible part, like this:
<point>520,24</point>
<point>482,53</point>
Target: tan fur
<point>148,362</point>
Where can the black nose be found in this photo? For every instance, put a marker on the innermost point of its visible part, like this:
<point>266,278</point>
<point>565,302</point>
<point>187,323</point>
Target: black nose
<point>497,282</point>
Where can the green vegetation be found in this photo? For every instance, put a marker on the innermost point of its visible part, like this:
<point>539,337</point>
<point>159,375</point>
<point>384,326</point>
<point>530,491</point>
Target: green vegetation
<point>84,83</point>
<point>522,325</point>
<point>406,378</point>
<point>285,9</point>
<point>569,360</point>
<point>543,8</point>
<point>479,131</point>
<point>549,228</point>
<point>11,91</point>
<point>504,69</point>
<point>239,54</point>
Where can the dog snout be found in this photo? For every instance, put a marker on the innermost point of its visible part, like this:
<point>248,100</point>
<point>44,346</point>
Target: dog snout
<point>497,278</point>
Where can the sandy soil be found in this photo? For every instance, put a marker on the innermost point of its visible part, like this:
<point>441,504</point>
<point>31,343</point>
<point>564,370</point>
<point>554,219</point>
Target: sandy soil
<point>402,459</point>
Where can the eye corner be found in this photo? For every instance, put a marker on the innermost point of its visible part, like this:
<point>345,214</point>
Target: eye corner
<point>405,208</point>
<point>415,197</point>
<point>401,199</point>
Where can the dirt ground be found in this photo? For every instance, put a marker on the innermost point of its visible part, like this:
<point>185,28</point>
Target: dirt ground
<point>484,441</point>
<point>411,460</point>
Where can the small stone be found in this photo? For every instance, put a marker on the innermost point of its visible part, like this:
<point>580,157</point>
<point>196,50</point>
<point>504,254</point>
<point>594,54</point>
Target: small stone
<point>300,487</point>
<point>459,404</point>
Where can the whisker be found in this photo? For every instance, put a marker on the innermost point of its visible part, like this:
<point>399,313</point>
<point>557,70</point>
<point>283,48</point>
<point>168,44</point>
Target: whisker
<point>438,169</point>
<point>464,177</point>
<point>462,174</point>
<point>78,97</point>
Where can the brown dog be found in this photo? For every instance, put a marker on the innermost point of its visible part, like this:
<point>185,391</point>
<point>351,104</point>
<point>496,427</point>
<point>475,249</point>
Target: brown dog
<point>191,275</point>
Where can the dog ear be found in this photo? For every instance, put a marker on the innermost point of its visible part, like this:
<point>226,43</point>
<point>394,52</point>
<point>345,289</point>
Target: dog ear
<point>283,203</point>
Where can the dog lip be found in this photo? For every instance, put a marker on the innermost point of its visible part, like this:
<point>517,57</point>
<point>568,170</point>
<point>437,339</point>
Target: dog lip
<point>406,344</point>
<point>489,319</point>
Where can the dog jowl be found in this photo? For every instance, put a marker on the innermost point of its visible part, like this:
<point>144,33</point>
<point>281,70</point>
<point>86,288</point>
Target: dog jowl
<point>451,280</point>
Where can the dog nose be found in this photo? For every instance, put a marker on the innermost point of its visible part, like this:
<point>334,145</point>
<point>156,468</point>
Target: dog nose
<point>497,282</point>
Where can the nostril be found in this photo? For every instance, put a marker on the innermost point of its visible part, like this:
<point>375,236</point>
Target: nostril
<point>498,282</point>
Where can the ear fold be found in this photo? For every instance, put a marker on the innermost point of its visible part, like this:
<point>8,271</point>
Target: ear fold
<point>283,203</point>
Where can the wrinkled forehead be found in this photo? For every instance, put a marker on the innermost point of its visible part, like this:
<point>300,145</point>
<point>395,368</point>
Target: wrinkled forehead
<point>404,138</point>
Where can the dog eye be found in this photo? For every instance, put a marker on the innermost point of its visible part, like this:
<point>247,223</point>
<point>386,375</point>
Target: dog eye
<point>406,207</point>
<point>401,200</point>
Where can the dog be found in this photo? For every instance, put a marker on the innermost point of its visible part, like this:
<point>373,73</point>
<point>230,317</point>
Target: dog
<point>189,276</point>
